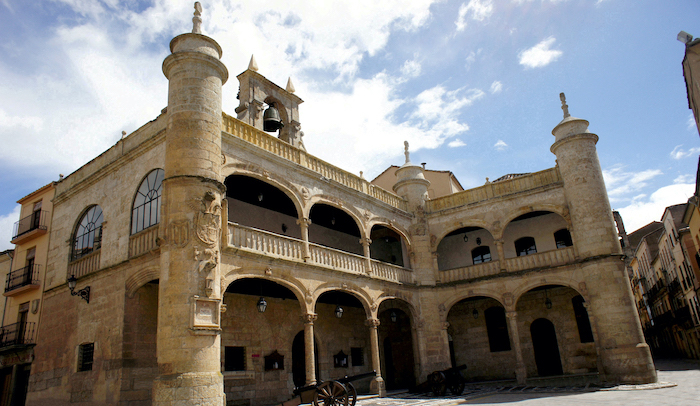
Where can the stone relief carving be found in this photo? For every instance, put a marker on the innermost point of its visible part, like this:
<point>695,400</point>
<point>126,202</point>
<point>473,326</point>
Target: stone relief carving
<point>178,233</point>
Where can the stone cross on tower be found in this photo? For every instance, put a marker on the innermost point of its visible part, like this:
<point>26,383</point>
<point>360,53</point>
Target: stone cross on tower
<point>197,19</point>
<point>564,106</point>
<point>405,151</point>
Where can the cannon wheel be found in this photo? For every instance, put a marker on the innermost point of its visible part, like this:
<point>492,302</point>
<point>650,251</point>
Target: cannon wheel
<point>352,393</point>
<point>331,393</point>
<point>438,384</point>
<point>457,386</point>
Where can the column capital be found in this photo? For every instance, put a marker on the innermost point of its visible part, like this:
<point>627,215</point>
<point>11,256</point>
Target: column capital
<point>304,222</point>
<point>309,318</point>
<point>365,241</point>
<point>498,242</point>
<point>373,323</point>
<point>511,314</point>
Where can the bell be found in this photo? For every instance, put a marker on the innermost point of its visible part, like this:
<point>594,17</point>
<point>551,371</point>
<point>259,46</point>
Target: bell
<point>271,119</point>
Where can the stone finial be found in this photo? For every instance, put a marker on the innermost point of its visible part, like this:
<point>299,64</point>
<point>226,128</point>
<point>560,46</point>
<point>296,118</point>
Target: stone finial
<point>564,106</point>
<point>405,151</point>
<point>253,65</point>
<point>197,19</point>
<point>290,86</point>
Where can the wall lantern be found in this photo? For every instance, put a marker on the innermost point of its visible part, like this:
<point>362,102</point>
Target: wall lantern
<point>475,313</point>
<point>262,305</point>
<point>260,197</point>
<point>465,237</point>
<point>338,311</point>
<point>393,317</point>
<point>84,293</point>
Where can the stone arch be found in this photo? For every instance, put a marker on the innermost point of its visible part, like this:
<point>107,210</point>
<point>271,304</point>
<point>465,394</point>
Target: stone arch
<point>562,211</point>
<point>140,278</point>
<point>281,108</point>
<point>332,201</point>
<point>464,224</point>
<point>293,284</point>
<point>383,221</point>
<point>414,313</point>
<point>458,297</point>
<point>453,253</point>
<point>532,283</point>
<point>255,172</point>
<point>353,290</point>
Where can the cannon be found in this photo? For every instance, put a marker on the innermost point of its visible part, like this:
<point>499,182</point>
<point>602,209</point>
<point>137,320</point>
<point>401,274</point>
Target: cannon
<point>339,392</point>
<point>450,378</point>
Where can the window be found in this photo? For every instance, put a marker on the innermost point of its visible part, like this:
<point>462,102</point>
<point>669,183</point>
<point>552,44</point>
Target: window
<point>88,234</point>
<point>85,356</point>
<point>497,329</point>
<point>563,238</point>
<point>36,215</point>
<point>146,209</point>
<point>481,254</point>
<point>525,246</point>
<point>234,359</point>
<point>584,325</point>
<point>358,358</point>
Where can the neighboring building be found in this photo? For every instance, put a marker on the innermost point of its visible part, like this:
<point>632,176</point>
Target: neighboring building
<point>665,284</point>
<point>442,183</point>
<point>691,73</point>
<point>23,294</point>
<point>219,262</point>
<point>6,258</point>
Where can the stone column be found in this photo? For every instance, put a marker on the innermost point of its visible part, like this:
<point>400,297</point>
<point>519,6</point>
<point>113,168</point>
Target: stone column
<point>304,224</point>
<point>366,242</point>
<point>309,348</point>
<point>377,384</point>
<point>189,296</point>
<point>520,370</point>
<point>501,255</point>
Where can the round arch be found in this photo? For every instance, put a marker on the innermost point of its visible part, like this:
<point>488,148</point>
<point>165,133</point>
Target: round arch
<point>473,293</point>
<point>381,221</point>
<point>295,286</point>
<point>384,297</point>
<point>354,291</point>
<point>330,201</point>
<point>257,173</point>
<point>140,278</point>
<point>464,224</point>
<point>562,211</point>
<point>528,285</point>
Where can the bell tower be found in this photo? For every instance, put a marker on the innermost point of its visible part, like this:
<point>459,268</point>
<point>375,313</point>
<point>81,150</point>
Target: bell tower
<point>282,111</point>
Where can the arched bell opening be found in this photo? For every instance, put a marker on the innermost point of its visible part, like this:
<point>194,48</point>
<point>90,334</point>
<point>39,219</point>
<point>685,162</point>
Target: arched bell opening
<point>258,328</point>
<point>481,339</point>
<point>340,324</point>
<point>396,344</point>
<point>387,246</point>
<point>466,246</point>
<point>334,228</point>
<point>139,353</point>
<point>556,335</point>
<point>535,232</point>
<point>257,204</point>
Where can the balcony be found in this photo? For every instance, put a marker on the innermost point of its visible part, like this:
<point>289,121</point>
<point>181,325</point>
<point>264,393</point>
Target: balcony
<point>21,280</point>
<point>274,245</point>
<point>17,334</point>
<point>30,227</point>
<point>144,241</point>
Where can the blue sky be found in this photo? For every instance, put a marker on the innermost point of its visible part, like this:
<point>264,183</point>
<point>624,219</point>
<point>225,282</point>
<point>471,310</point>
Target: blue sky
<point>472,85</point>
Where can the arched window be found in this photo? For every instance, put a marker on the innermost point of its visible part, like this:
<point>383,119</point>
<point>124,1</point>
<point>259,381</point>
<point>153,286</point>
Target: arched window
<point>88,235</point>
<point>497,329</point>
<point>146,209</point>
<point>525,246</point>
<point>584,325</point>
<point>563,238</point>
<point>481,254</point>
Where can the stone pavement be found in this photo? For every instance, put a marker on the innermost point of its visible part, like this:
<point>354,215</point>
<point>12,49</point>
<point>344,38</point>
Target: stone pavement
<point>679,385</point>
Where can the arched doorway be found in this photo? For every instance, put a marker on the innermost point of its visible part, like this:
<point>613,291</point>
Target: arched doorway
<point>398,363</point>
<point>546,348</point>
<point>299,360</point>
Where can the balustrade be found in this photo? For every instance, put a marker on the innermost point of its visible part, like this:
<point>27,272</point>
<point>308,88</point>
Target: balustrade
<point>143,241</point>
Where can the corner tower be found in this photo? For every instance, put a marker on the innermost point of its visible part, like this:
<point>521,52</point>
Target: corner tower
<point>189,298</point>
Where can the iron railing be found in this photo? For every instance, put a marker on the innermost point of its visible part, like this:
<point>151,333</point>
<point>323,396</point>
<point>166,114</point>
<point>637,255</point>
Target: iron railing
<point>36,220</point>
<point>17,334</point>
<point>29,275</point>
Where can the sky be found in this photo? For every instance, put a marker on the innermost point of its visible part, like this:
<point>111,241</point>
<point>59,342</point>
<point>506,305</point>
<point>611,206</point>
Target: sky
<point>472,85</point>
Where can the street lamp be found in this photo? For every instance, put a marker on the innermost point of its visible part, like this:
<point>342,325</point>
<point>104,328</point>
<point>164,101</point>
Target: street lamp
<point>84,293</point>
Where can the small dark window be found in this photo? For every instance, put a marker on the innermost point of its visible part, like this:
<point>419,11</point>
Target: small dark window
<point>563,238</point>
<point>481,254</point>
<point>584,325</point>
<point>525,246</point>
<point>85,356</point>
<point>234,359</point>
<point>358,357</point>
<point>274,361</point>
<point>497,329</point>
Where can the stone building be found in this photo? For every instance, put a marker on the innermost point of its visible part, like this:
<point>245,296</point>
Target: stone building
<point>24,279</point>
<point>226,264</point>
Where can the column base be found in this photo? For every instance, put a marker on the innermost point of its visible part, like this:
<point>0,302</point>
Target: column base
<point>521,374</point>
<point>192,388</point>
<point>628,364</point>
<point>376,386</point>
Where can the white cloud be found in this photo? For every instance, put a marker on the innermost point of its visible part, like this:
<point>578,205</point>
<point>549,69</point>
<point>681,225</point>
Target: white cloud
<point>471,58</point>
<point>496,87</point>
<point>692,125</point>
<point>500,145</point>
<point>411,68</point>
<point>478,10</point>
<point>680,153</point>
<point>540,55</point>
<point>684,179</point>
<point>7,223</point>
<point>456,143</point>
<point>643,211</point>
<point>620,183</point>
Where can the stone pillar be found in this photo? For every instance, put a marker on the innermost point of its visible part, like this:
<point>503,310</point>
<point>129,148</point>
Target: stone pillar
<point>366,242</point>
<point>501,255</point>
<point>309,348</point>
<point>377,384</point>
<point>304,224</point>
<point>189,296</point>
<point>520,370</point>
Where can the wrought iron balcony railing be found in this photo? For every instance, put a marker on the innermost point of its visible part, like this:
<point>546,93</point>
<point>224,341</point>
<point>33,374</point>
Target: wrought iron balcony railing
<point>35,221</point>
<point>17,334</point>
<point>29,275</point>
